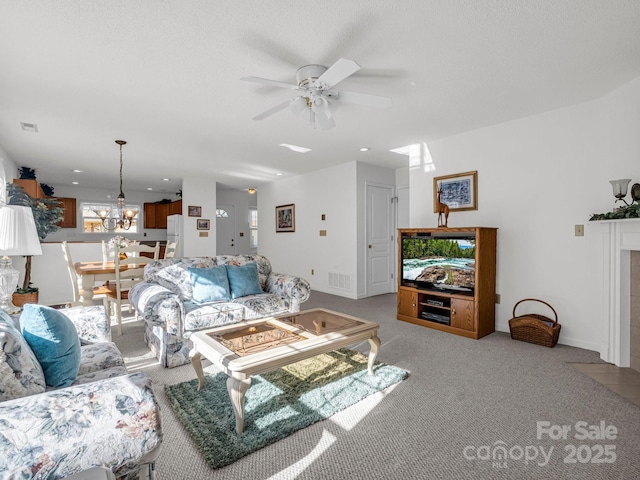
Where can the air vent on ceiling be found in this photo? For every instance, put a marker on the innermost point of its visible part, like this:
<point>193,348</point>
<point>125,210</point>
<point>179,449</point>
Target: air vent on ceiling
<point>29,127</point>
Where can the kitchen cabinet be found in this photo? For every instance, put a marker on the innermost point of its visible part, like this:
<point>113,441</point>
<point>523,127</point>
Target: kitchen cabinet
<point>155,214</point>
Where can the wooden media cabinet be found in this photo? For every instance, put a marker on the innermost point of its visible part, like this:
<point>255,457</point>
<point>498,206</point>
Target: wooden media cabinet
<point>470,314</point>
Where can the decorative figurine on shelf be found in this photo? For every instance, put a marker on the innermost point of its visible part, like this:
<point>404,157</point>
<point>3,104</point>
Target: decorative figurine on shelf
<point>443,210</point>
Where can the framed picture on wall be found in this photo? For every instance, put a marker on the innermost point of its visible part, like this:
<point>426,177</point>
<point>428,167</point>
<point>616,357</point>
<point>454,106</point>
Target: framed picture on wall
<point>203,224</point>
<point>195,211</point>
<point>459,191</point>
<point>286,218</point>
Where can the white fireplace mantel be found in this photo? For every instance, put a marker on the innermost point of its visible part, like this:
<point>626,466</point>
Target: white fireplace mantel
<point>619,238</point>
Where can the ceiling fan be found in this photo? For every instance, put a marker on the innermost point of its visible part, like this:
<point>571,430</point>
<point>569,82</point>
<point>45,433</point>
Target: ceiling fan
<point>316,92</point>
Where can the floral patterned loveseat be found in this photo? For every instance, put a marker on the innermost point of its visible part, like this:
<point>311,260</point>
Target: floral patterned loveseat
<point>106,417</point>
<point>165,300</point>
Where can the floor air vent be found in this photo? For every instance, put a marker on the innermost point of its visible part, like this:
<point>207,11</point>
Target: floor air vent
<point>340,280</point>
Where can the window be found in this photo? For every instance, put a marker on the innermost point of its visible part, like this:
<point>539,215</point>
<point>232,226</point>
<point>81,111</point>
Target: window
<point>91,222</point>
<point>221,213</point>
<point>253,227</point>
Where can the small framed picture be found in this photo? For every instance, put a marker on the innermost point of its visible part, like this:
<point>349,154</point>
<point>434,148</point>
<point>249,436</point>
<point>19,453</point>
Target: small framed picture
<point>203,224</point>
<point>286,218</point>
<point>458,191</point>
<point>195,211</point>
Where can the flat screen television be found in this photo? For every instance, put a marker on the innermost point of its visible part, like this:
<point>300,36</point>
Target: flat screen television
<point>442,263</point>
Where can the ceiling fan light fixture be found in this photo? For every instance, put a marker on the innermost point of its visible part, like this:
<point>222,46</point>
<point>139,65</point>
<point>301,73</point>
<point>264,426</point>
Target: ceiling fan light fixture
<point>315,85</point>
<point>298,105</point>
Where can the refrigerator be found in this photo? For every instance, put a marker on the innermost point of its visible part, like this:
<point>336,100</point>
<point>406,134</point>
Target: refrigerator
<point>174,232</point>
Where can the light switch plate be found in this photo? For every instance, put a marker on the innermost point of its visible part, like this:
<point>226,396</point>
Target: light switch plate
<point>579,230</point>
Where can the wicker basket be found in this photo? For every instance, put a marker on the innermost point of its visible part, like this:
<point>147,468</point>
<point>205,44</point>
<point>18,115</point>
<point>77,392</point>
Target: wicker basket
<point>535,328</point>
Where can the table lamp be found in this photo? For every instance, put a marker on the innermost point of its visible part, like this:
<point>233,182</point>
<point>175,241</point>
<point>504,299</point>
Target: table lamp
<point>18,236</point>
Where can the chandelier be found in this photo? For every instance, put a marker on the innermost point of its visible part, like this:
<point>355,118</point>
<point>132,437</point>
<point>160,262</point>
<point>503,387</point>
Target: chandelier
<point>125,216</point>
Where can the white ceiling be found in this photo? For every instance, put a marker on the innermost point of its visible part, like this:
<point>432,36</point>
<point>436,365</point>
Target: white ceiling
<point>165,76</point>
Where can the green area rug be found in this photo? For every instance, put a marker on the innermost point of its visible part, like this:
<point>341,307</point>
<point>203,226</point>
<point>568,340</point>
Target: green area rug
<point>277,404</point>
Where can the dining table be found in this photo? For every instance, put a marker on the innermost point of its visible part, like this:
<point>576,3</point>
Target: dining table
<point>92,272</point>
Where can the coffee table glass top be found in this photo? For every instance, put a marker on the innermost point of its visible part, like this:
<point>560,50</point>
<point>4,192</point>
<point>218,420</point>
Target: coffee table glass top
<point>320,322</point>
<point>259,337</point>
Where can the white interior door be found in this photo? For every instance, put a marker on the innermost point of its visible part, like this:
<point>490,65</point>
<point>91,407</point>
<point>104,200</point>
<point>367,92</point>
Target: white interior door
<point>380,240</point>
<point>225,230</point>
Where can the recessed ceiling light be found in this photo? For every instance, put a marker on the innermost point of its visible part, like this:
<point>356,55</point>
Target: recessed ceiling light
<point>75,183</point>
<point>29,127</point>
<point>365,149</point>
<point>166,179</point>
<point>295,148</point>
<point>149,188</point>
<point>279,174</point>
<point>75,170</point>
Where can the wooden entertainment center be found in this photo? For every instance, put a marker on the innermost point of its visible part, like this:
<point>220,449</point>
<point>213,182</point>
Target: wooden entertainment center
<point>470,314</point>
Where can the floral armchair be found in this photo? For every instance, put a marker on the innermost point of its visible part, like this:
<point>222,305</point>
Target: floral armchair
<point>165,300</point>
<point>106,417</point>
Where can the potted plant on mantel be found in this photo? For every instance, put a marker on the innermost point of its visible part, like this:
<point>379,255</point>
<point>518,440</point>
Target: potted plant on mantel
<point>47,214</point>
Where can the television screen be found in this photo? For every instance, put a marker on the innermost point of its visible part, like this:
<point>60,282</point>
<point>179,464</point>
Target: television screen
<point>439,263</point>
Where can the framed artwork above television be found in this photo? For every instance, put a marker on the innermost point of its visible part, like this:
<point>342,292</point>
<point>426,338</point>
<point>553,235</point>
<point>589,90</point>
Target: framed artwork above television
<point>459,191</point>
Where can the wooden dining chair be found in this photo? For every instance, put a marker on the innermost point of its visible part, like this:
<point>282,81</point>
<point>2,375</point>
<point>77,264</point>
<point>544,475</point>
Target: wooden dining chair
<point>171,249</point>
<point>106,254</point>
<point>129,271</point>
<point>76,286</point>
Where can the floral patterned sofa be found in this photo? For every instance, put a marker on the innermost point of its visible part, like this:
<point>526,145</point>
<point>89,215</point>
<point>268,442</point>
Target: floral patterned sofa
<point>165,301</point>
<point>106,417</point>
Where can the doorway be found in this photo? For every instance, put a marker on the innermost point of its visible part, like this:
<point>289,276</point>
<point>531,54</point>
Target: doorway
<point>225,229</point>
<point>380,240</point>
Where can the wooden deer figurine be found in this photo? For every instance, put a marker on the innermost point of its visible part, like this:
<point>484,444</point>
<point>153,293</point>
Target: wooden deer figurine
<point>443,210</point>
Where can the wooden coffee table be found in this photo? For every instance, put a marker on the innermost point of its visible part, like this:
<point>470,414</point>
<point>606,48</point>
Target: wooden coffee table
<point>257,346</point>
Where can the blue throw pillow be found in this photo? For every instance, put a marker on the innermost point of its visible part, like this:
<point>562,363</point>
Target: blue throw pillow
<point>54,341</point>
<point>243,280</point>
<point>209,284</point>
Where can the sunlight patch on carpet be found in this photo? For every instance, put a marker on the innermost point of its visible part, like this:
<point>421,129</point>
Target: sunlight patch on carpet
<point>277,404</point>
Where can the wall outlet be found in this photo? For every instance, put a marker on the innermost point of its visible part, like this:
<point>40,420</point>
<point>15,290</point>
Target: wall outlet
<point>323,233</point>
<point>497,298</point>
<point>579,230</point>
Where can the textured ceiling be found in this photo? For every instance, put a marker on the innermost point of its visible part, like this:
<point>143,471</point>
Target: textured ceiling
<point>165,76</point>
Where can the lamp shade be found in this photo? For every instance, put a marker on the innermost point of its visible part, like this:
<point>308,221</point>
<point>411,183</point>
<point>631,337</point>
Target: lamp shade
<point>620,187</point>
<point>18,233</point>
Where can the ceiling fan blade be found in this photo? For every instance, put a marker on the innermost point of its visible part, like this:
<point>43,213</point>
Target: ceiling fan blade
<point>273,83</point>
<point>338,72</point>
<point>364,99</point>
<point>272,110</point>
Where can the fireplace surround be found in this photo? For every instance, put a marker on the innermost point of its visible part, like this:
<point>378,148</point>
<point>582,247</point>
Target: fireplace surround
<point>619,239</point>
